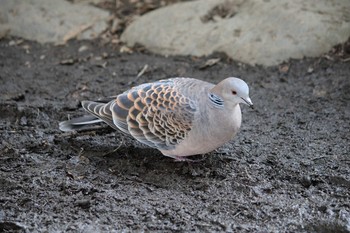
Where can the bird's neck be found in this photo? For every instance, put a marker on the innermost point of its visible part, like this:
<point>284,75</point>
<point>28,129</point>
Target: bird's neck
<point>216,101</point>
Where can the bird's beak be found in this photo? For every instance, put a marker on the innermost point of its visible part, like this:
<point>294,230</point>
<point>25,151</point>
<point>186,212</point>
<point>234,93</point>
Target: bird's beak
<point>248,102</point>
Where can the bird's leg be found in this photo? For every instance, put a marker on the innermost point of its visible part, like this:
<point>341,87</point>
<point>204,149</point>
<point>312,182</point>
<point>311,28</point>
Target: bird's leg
<point>182,159</point>
<point>185,159</point>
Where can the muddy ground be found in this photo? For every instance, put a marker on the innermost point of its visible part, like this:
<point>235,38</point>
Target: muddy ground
<point>288,170</point>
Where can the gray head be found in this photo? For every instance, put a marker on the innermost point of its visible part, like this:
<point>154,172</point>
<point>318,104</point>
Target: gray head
<point>234,91</point>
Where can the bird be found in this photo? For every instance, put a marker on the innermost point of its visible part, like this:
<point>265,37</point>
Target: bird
<point>179,116</point>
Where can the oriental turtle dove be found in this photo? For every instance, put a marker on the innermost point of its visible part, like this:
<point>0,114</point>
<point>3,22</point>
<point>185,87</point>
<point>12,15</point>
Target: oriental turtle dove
<point>178,116</point>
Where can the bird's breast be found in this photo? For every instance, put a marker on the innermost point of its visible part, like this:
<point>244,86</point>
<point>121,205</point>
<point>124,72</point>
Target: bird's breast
<point>210,131</point>
<point>224,124</point>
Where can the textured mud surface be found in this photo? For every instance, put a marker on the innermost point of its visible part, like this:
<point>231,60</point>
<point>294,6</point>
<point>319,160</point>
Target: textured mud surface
<point>288,170</point>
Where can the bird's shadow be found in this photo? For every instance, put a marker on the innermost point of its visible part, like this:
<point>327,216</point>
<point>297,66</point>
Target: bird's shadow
<point>126,159</point>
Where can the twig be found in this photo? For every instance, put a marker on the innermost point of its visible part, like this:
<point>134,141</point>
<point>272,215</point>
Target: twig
<point>111,152</point>
<point>144,69</point>
<point>320,157</point>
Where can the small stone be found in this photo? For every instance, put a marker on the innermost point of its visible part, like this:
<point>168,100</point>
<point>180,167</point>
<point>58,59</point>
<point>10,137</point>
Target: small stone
<point>83,48</point>
<point>306,181</point>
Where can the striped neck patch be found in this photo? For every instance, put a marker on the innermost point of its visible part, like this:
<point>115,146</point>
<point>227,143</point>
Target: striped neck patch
<point>216,100</point>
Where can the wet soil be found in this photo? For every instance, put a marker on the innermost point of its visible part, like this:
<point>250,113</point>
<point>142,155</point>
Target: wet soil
<point>288,169</point>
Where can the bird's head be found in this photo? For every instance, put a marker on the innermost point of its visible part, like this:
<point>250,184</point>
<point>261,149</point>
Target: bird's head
<point>233,91</point>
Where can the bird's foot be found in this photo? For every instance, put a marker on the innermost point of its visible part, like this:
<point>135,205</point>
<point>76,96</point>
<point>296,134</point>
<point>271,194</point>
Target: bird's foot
<point>184,159</point>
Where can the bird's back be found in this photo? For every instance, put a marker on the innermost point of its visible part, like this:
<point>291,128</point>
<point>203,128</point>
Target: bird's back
<point>159,114</point>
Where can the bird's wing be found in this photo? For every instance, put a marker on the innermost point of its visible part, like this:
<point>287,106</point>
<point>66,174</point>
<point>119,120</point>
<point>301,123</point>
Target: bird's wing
<point>156,114</point>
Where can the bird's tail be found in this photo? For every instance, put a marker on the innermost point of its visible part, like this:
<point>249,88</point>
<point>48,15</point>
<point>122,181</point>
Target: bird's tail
<point>78,123</point>
<point>100,112</point>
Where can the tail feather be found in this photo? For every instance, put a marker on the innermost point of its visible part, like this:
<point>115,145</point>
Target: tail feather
<point>100,112</point>
<point>78,123</point>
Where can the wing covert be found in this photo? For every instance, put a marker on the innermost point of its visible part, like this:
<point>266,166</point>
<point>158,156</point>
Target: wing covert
<point>156,114</point>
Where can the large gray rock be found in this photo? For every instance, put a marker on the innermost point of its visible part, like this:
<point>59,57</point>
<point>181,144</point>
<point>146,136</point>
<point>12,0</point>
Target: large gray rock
<point>252,31</point>
<point>52,20</point>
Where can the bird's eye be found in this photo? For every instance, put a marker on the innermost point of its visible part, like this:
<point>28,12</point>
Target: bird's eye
<point>234,92</point>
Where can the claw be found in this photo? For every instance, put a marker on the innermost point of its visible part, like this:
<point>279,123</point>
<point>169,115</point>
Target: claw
<point>184,159</point>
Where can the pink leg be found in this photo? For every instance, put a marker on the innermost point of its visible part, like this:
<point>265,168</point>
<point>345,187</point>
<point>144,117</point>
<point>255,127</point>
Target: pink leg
<point>182,159</point>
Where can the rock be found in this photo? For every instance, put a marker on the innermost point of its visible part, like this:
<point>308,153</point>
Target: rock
<point>4,30</point>
<point>52,20</point>
<point>251,31</point>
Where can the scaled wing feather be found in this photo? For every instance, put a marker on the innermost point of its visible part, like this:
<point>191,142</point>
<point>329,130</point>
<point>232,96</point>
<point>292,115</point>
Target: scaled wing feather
<point>155,113</point>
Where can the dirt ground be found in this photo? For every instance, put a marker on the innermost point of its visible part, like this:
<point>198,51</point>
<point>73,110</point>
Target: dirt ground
<point>288,170</point>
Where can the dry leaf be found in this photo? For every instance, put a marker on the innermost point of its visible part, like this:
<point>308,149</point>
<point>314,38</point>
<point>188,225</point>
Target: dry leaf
<point>210,62</point>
